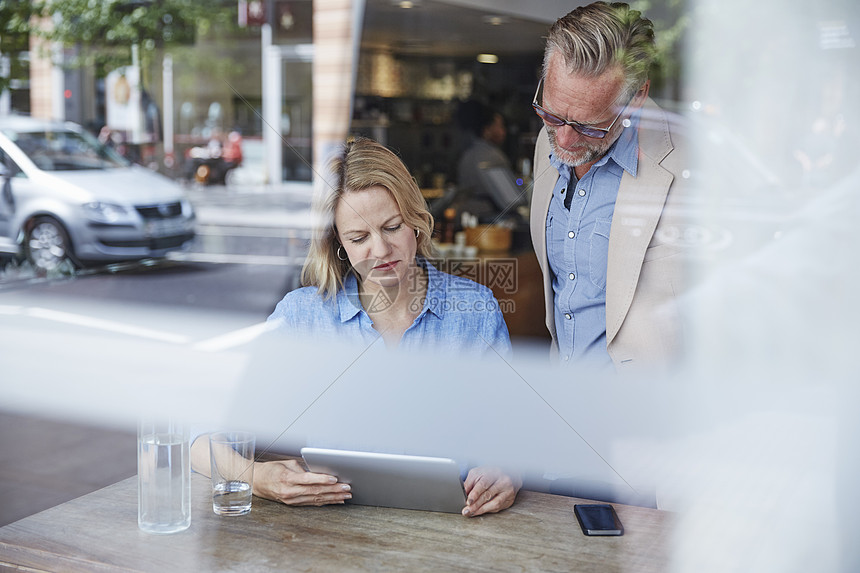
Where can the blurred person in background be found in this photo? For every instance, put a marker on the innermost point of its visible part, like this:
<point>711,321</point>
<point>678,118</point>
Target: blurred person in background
<point>477,194</point>
<point>232,152</point>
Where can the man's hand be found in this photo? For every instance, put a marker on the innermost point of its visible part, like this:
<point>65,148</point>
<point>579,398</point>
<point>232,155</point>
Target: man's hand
<point>489,490</point>
<point>288,482</point>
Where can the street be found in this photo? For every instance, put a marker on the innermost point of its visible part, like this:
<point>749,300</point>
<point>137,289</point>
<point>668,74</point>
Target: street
<point>62,336</point>
<point>248,253</point>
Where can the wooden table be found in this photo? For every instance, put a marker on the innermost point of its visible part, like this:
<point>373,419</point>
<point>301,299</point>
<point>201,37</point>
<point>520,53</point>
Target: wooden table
<point>98,532</point>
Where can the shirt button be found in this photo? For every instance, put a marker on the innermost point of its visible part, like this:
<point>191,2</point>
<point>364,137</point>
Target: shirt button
<point>567,358</point>
<point>582,192</point>
<point>567,316</point>
<point>571,234</point>
<point>571,276</point>
<point>563,189</point>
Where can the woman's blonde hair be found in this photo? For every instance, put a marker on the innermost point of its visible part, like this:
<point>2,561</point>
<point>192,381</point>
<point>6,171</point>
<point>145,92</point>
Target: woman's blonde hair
<point>360,164</point>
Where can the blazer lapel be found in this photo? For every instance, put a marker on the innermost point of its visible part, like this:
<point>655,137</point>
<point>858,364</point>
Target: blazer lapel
<point>544,182</point>
<point>638,208</point>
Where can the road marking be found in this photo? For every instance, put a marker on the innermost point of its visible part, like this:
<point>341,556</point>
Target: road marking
<point>233,339</point>
<point>215,344</point>
<point>97,323</point>
<point>236,259</point>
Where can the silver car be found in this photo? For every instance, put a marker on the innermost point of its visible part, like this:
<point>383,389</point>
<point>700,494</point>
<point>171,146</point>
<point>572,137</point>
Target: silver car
<point>65,196</point>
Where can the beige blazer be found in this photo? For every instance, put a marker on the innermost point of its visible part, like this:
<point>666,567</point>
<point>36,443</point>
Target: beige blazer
<point>645,270</point>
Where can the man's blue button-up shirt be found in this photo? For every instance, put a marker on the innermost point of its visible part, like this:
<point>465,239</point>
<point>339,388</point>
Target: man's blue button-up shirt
<point>577,244</point>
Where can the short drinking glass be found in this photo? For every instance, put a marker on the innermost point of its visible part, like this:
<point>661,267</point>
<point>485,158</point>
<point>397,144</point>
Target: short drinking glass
<point>232,457</point>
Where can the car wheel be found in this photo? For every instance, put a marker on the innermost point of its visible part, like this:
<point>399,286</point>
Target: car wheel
<point>47,244</point>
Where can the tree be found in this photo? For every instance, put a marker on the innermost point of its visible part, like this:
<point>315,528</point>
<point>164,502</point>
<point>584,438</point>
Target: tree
<point>15,19</point>
<point>671,21</point>
<point>104,31</point>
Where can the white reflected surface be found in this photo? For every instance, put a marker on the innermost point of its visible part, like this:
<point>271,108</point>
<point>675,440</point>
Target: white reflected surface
<point>767,448</point>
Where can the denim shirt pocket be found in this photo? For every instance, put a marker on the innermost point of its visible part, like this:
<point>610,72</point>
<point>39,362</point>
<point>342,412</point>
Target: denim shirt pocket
<point>599,252</point>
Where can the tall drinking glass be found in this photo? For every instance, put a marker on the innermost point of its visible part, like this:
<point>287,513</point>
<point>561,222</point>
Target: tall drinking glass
<point>163,476</point>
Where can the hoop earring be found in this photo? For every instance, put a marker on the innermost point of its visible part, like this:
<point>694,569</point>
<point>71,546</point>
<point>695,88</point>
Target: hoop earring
<point>338,254</point>
<point>417,233</point>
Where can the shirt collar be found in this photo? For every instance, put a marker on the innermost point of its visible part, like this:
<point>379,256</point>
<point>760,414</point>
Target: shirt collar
<point>349,303</point>
<point>436,289</point>
<point>624,152</point>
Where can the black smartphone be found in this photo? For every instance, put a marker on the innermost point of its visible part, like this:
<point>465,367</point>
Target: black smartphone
<point>598,519</point>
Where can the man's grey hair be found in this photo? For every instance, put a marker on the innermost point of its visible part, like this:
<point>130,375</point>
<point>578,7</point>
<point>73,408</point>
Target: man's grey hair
<point>595,38</point>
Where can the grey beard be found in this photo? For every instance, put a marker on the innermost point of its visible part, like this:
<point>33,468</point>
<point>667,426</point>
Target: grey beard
<point>590,154</point>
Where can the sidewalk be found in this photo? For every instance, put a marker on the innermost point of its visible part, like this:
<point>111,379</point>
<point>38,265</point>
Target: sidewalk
<point>285,206</point>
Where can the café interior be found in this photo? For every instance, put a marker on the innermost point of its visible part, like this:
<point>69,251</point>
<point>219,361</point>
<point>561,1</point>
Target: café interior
<point>750,448</point>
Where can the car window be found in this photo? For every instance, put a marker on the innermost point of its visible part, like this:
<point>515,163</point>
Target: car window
<point>66,151</point>
<point>11,168</point>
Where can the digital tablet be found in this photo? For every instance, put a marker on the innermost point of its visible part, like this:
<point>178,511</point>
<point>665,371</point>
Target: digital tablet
<point>393,480</point>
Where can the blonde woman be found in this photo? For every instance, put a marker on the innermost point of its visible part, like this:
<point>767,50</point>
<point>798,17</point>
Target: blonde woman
<point>367,277</point>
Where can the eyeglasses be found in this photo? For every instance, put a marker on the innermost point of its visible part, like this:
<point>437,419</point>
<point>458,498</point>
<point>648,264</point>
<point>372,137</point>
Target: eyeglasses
<point>587,130</point>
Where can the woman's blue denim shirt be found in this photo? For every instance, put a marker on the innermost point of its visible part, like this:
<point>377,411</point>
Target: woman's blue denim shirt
<point>457,315</point>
